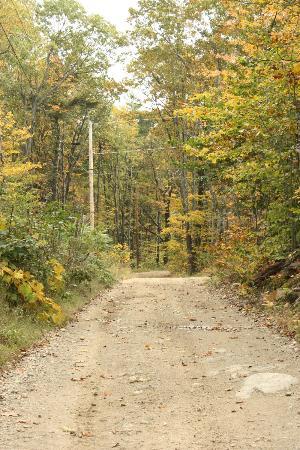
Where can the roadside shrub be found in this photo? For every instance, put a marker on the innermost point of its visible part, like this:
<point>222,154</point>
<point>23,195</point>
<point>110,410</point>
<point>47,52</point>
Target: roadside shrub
<point>24,251</point>
<point>22,285</point>
<point>120,254</point>
<point>39,259</point>
<point>237,255</point>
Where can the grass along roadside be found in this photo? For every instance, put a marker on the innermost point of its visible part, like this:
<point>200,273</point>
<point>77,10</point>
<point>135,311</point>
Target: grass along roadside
<point>20,330</point>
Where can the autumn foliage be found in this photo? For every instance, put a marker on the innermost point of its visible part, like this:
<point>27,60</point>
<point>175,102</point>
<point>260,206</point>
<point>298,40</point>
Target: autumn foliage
<point>200,169</point>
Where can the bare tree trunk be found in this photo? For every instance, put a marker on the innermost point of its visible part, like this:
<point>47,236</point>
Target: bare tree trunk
<point>98,183</point>
<point>62,156</point>
<point>74,156</point>
<point>158,242</point>
<point>192,266</point>
<point>55,160</point>
<point>30,142</point>
<point>116,202</point>
<point>167,215</point>
<point>137,230</point>
<point>130,212</point>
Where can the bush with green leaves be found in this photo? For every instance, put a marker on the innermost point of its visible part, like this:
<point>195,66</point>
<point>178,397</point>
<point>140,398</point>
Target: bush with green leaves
<point>56,248</point>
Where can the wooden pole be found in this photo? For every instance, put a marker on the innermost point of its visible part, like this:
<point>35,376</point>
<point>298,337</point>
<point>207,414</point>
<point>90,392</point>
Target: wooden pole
<point>91,176</point>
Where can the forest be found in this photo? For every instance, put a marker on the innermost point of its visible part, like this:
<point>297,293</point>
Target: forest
<point>199,170</point>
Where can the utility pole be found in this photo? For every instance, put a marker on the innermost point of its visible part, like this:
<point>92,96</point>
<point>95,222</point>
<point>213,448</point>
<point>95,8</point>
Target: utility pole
<point>91,176</point>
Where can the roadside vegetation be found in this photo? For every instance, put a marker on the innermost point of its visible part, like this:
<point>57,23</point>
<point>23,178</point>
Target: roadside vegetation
<point>54,74</point>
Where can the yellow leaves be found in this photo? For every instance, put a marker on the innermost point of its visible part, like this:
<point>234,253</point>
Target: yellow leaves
<point>2,223</point>
<point>228,58</point>
<point>213,154</point>
<point>196,217</point>
<point>216,156</point>
<point>177,256</point>
<point>120,254</point>
<point>264,28</point>
<point>199,112</point>
<point>11,140</point>
<point>176,226</point>
<point>56,280</point>
<point>296,69</point>
<point>213,73</point>
<point>32,293</point>
<point>12,136</point>
<point>250,49</point>
<point>174,245</point>
<point>13,170</point>
<point>18,275</point>
<point>296,195</point>
<point>191,151</point>
<point>232,100</point>
<point>179,220</point>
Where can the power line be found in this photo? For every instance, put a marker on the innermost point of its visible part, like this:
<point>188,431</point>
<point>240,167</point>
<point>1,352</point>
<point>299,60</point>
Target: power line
<point>138,150</point>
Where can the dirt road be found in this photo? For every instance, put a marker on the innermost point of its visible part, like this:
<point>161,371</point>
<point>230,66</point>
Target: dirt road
<point>157,364</point>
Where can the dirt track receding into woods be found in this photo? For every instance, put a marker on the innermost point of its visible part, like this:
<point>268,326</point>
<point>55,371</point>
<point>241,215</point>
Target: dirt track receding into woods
<point>157,364</point>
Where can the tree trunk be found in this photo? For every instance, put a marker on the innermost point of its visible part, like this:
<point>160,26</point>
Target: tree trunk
<point>158,242</point>
<point>192,266</point>
<point>98,184</point>
<point>30,143</point>
<point>55,160</point>
<point>137,230</point>
<point>167,215</point>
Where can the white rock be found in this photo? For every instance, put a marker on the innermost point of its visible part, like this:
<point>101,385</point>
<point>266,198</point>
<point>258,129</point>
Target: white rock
<point>267,383</point>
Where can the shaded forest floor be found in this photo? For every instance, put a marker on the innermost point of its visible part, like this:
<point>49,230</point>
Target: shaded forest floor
<point>272,296</point>
<point>281,316</point>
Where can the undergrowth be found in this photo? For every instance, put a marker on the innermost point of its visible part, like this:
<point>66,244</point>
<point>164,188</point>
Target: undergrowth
<point>274,307</point>
<point>19,330</point>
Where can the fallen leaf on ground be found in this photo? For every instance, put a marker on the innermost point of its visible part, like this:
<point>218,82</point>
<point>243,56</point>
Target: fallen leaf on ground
<point>84,434</point>
<point>69,430</point>
<point>10,414</point>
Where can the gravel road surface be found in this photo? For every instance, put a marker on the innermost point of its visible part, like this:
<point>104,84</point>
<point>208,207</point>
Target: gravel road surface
<point>157,363</point>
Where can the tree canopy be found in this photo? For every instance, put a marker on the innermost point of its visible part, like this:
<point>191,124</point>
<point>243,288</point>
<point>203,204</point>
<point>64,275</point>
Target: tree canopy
<point>201,170</point>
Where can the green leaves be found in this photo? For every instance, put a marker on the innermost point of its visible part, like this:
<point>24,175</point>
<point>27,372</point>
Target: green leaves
<point>26,292</point>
